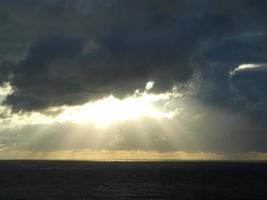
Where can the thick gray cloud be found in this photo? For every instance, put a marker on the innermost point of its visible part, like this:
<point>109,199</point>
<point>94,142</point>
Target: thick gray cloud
<point>85,49</point>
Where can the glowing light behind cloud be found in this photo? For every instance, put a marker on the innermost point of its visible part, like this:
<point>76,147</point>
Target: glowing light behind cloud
<point>104,112</point>
<point>247,67</point>
<point>100,113</point>
<point>149,85</point>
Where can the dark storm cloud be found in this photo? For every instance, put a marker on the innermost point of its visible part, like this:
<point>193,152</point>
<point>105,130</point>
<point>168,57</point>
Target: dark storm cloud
<point>243,89</point>
<point>247,48</point>
<point>103,48</point>
<point>251,83</point>
<point>68,52</point>
<point>39,78</point>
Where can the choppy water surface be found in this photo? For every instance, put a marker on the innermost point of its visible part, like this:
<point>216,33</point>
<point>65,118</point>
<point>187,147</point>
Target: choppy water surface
<point>51,180</point>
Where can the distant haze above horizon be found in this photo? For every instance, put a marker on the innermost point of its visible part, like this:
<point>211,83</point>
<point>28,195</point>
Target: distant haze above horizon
<point>125,79</point>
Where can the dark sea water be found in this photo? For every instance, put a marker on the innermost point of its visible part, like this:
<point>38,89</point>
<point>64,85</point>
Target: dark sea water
<point>34,180</point>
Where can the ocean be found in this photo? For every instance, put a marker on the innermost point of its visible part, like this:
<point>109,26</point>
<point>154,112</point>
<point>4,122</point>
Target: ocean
<point>183,180</point>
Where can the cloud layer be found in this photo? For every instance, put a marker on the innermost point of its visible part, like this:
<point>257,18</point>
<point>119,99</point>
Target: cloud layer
<point>80,50</point>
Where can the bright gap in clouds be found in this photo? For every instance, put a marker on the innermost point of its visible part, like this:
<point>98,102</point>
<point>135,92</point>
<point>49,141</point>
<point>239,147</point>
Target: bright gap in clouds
<point>100,113</point>
<point>104,112</point>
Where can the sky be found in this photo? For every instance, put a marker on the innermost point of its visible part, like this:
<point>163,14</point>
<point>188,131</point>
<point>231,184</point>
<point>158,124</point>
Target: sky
<point>126,79</point>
